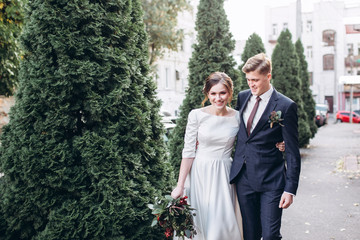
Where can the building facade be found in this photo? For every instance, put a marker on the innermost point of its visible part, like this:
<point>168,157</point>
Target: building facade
<point>172,69</point>
<point>330,34</point>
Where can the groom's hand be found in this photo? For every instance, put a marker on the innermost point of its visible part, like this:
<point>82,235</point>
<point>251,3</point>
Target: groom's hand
<point>286,200</point>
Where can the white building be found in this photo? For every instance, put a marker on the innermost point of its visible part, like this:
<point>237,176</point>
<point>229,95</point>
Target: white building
<point>238,51</point>
<point>330,34</point>
<point>172,69</point>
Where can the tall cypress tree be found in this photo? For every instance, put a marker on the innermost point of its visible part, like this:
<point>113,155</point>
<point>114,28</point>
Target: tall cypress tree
<point>83,153</point>
<point>11,20</point>
<point>3,224</point>
<point>306,94</point>
<point>286,80</point>
<point>211,53</point>
<point>253,46</point>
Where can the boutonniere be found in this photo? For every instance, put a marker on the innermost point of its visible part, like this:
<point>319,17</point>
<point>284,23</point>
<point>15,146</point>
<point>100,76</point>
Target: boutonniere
<point>275,117</point>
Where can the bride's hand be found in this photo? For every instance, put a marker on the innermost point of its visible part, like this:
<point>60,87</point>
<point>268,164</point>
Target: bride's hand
<point>280,146</point>
<point>177,192</point>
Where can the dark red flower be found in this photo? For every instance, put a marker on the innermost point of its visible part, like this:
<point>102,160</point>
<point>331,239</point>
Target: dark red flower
<point>169,232</point>
<point>183,201</point>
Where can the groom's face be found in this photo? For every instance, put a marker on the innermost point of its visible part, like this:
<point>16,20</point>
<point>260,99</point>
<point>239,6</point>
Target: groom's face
<point>258,83</point>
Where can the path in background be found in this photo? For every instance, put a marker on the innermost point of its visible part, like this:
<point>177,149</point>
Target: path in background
<point>327,203</point>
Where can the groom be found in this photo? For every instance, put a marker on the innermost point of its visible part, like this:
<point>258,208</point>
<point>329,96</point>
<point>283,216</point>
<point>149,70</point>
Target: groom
<point>266,182</point>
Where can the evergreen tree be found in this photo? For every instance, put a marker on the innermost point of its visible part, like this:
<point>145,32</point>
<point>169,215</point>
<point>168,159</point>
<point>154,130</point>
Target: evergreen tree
<point>11,18</point>
<point>2,218</point>
<point>83,153</point>
<point>309,102</point>
<point>163,32</point>
<point>253,46</point>
<point>285,75</point>
<point>211,53</point>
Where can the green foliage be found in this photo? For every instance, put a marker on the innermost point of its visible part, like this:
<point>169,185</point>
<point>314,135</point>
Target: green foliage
<point>253,46</point>
<point>2,218</point>
<point>211,53</point>
<point>174,215</point>
<point>286,80</point>
<point>160,17</point>
<point>83,153</point>
<point>309,102</point>
<point>11,18</point>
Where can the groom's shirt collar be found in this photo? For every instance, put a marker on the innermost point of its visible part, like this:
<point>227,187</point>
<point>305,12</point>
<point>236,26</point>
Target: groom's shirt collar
<point>266,95</point>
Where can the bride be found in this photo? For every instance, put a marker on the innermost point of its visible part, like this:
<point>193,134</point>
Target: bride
<point>206,162</point>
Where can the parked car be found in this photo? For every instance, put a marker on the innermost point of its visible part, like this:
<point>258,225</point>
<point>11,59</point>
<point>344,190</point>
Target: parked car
<point>169,126</point>
<point>322,114</point>
<point>344,116</point>
<point>319,119</point>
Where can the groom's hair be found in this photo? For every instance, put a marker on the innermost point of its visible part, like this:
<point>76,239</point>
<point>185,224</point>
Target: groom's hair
<point>259,63</point>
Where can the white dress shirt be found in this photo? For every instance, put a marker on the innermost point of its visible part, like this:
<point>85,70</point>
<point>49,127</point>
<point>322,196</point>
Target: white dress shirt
<point>265,97</point>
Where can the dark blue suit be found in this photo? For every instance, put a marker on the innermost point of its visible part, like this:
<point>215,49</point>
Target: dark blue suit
<point>258,169</point>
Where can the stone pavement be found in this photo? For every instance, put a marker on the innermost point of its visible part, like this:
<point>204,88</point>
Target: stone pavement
<point>327,203</point>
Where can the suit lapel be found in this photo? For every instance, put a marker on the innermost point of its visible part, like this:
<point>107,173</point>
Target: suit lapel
<point>247,98</point>
<point>265,116</point>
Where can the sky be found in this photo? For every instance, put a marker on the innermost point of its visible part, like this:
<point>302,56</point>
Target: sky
<point>248,16</point>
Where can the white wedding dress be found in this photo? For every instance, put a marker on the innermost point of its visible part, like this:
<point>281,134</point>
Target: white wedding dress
<point>217,211</point>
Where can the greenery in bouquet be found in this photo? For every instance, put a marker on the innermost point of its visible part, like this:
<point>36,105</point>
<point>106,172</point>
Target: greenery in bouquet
<point>174,216</point>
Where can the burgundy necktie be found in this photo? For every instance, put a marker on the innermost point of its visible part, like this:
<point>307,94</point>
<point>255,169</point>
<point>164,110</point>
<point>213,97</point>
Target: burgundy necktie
<point>252,115</point>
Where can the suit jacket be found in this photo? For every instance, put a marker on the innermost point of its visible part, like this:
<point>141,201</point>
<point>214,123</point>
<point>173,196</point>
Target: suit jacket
<point>267,168</point>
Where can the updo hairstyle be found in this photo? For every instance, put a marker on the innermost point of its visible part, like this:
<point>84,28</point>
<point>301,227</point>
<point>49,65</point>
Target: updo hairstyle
<point>215,78</point>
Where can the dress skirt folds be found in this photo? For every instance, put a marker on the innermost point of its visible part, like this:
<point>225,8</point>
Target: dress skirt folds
<point>217,210</point>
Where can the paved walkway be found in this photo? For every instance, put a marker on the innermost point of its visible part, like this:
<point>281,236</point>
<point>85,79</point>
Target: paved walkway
<point>327,203</point>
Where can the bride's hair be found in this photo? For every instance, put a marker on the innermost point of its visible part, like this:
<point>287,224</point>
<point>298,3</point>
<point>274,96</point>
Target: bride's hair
<point>215,78</point>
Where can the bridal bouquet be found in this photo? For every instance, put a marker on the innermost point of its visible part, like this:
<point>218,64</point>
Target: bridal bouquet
<point>174,215</point>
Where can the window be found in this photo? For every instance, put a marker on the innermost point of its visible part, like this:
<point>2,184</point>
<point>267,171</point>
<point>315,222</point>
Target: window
<point>274,29</point>
<point>328,62</point>
<point>182,46</point>
<point>285,26</point>
<point>309,52</point>
<point>329,37</point>
<point>350,49</point>
<point>177,75</point>
<point>309,26</point>
<point>167,78</point>
<point>310,78</point>
<point>358,53</point>
<point>157,80</point>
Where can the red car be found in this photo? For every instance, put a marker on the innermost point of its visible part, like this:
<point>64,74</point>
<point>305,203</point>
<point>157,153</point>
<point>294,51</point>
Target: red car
<point>344,116</point>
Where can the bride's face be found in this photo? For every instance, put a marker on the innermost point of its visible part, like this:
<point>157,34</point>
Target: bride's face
<point>218,96</point>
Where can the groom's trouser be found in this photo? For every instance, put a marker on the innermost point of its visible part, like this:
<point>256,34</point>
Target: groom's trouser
<point>260,211</point>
